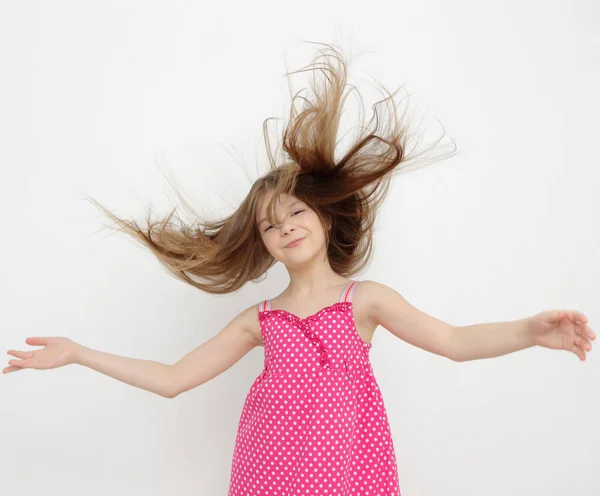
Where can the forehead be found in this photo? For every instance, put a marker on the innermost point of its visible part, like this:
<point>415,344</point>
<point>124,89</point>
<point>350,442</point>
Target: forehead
<point>285,201</point>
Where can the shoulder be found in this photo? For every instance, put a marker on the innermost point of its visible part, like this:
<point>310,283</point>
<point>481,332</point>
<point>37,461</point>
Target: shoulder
<point>372,296</point>
<point>369,289</point>
<point>248,319</point>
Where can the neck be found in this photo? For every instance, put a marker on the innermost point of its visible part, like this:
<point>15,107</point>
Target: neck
<point>314,280</point>
<point>313,277</point>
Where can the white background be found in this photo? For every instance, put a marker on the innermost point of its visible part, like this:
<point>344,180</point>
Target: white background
<point>105,97</point>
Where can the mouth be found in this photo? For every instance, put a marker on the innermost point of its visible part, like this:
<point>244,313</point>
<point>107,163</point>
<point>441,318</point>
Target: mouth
<point>294,243</point>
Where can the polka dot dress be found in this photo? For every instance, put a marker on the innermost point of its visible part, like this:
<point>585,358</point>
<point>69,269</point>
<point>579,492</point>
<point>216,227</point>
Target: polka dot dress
<point>314,422</point>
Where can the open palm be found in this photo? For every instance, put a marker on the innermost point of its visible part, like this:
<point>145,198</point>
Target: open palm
<point>57,351</point>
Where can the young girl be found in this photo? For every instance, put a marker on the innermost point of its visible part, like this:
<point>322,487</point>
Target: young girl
<point>314,421</point>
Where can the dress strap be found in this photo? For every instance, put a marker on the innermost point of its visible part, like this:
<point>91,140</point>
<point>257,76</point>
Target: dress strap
<point>348,291</point>
<point>346,295</point>
<point>264,305</point>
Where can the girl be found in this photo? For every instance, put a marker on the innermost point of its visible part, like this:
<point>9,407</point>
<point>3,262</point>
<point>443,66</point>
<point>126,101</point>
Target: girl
<point>314,420</point>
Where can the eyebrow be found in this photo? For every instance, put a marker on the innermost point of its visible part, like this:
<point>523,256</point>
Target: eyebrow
<point>291,205</point>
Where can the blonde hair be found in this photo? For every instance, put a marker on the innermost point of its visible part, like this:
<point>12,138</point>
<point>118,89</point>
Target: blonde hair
<point>224,254</point>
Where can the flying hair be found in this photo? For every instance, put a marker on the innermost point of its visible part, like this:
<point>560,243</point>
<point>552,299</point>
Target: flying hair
<point>220,256</point>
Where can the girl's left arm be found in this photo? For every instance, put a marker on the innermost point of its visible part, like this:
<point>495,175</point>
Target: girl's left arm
<point>387,308</point>
<point>555,329</point>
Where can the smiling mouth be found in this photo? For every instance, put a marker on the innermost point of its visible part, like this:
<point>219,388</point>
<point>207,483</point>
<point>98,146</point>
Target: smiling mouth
<point>294,243</point>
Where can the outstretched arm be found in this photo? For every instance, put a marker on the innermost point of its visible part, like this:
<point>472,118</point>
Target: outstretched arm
<point>489,340</point>
<point>59,351</point>
<point>389,309</point>
<point>200,365</point>
<point>555,329</point>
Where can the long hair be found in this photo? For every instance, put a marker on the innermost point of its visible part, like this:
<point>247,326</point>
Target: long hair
<point>222,255</point>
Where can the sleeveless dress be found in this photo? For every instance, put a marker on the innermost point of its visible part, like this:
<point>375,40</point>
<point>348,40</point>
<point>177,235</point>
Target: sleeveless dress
<point>314,422</point>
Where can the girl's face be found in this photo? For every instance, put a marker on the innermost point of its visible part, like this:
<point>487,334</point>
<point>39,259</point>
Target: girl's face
<point>297,220</point>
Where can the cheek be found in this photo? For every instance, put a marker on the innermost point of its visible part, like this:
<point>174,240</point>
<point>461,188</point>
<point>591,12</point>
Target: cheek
<point>270,241</point>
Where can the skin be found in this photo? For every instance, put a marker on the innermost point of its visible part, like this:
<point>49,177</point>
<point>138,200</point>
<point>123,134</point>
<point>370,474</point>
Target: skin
<point>307,264</point>
<point>313,280</point>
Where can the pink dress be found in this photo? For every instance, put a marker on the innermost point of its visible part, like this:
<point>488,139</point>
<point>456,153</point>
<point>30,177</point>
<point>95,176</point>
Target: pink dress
<point>314,422</point>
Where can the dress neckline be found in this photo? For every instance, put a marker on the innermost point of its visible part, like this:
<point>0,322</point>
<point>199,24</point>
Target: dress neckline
<point>337,304</point>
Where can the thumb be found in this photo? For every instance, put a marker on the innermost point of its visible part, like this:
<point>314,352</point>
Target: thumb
<point>552,315</point>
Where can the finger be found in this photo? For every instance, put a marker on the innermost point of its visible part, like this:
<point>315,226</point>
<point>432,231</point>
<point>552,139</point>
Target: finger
<point>21,354</point>
<point>579,352</point>
<point>583,343</point>
<point>591,334</point>
<point>8,370</point>
<point>586,334</point>
<point>37,341</point>
<point>571,315</point>
<point>20,363</point>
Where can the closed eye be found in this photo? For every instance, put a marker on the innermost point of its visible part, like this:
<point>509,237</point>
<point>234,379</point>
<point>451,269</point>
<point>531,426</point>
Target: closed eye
<point>297,211</point>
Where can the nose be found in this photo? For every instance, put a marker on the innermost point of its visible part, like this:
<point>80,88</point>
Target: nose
<point>286,225</point>
<point>286,229</point>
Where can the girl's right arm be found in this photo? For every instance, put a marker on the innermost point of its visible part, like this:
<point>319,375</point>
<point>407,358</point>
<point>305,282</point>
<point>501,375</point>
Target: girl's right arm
<point>219,353</point>
<point>202,364</point>
<point>152,376</point>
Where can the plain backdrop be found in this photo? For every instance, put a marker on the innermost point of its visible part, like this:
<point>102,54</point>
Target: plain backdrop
<point>109,97</point>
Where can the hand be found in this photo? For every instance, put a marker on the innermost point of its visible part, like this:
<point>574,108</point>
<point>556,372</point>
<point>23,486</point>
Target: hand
<point>562,330</point>
<point>57,351</point>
